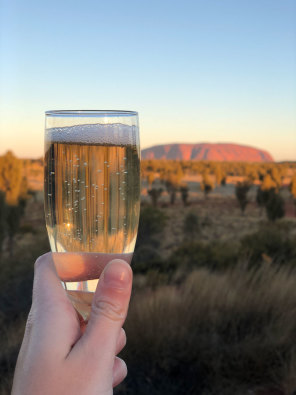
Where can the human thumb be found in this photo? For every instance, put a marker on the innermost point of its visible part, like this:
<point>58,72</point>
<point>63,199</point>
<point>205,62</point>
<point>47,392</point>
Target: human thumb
<point>109,309</point>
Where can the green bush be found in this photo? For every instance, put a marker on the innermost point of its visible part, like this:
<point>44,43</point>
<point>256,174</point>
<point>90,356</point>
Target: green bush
<point>271,243</point>
<point>3,211</point>
<point>272,201</point>
<point>215,256</point>
<point>275,207</point>
<point>263,196</point>
<point>241,193</point>
<point>144,258</point>
<point>152,222</point>
<point>155,194</point>
<point>184,194</point>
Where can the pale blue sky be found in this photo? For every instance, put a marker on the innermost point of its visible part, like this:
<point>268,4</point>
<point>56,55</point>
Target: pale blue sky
<point>215,70</point>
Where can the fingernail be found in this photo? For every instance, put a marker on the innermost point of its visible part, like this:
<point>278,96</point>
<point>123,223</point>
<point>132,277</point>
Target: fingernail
<point>117,274</point>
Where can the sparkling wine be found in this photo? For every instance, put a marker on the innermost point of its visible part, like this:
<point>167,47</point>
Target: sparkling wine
<point>92,192</point>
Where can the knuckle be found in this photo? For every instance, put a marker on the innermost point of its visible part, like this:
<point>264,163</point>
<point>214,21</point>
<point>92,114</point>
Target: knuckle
<point>109,309</point>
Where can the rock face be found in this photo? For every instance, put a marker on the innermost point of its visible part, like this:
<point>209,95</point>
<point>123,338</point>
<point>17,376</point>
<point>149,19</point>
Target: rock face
<point>207,151</point>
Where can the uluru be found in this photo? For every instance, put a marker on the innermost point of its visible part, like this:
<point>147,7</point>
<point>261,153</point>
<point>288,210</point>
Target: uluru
<point>207,151</point>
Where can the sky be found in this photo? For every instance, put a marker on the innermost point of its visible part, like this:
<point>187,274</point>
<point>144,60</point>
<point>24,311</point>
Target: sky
<point>196,71</point>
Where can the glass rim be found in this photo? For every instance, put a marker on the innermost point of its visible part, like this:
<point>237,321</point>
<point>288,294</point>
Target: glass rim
<point>90,113</point>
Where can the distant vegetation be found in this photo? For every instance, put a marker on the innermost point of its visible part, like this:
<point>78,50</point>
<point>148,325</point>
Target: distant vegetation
<point>13,197</point>
<point>213,308</point>
<point>269,179</point>
<point>251,171</point>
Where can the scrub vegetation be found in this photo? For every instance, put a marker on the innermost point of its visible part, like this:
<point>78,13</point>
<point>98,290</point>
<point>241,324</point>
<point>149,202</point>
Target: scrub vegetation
<point>213,304</point>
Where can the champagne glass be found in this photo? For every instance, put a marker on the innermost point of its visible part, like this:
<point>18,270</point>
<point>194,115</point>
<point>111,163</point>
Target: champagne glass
<point>91,195</point>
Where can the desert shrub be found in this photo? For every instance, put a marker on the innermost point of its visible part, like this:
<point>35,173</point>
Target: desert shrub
<point>218,172</point>
<point>241,193</point>
<point>292,188</point>
<point>275,206</point>
<point>272,201</point>
<point>268,183</point>
<point>271,243</point>
<point>152,222</point>
<point>155,194</point>
<point>172,180</point>
<point>3,210</point>
<point>145,257</point>
<point>184,194</point>
<point>262,197</point>
<point>207,184</point>
<point>172,189</point>
<point>191,226</point>
<point>10,177</point>
<point>215,256</point>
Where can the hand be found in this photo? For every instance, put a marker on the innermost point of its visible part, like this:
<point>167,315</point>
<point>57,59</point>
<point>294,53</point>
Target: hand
<point>55,357</point>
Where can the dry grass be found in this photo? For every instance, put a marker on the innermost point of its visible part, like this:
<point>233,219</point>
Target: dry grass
<point>217,334</point>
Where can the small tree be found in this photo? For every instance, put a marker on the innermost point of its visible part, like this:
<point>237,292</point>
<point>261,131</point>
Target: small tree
<point>241,192</point>
<point>172,191</point>
<point>223,181</point>
<point>3,209</point>
<point>293,186</point>
<point>150,179</point>
<point>275,206</point>
<point>155,194</point>
<point>262,197</point>
<point>219,176</point>
<point>10,177</point>
<point>184,194</point>
<point>293,189</point>
<point>172,182</point>
<point>191,226</point>
<point>268,183</point>
<point>251,173</point>
<point>276,176</point>
<point>207,184</point>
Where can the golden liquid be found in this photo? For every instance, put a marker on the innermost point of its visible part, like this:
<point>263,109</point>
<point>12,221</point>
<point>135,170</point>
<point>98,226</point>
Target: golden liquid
<point>92,195</point>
